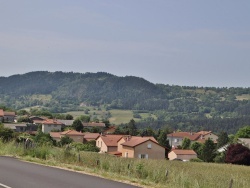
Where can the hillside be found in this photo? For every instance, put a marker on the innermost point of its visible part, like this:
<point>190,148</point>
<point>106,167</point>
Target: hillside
<point>181,107</point>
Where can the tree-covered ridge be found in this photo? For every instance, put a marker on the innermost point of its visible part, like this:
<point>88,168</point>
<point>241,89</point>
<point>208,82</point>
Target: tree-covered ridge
<point>184,107</point>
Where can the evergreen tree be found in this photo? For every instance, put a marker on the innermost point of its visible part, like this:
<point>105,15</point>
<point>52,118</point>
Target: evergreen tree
<point>197,147</point>
<point>186,143</point>
<point>132,129</point>
<point>208,151</point>
<point>223,139</point>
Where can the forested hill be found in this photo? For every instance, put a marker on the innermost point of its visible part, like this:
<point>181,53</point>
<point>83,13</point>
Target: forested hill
<point>179,105</point>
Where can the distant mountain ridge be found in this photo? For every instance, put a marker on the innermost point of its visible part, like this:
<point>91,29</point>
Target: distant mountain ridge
<point>64,91</point>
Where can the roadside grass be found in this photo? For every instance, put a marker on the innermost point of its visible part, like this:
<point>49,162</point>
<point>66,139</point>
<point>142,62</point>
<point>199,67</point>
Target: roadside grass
<point>146,173</point>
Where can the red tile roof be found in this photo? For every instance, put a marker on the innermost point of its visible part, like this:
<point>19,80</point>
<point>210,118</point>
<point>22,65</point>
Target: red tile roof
<point>4,113</point>
<point>190,135</point>
<point>111,140</point>
<point>72,133</point>
<point>184,152</point>
<point>91,136</point>
<point>55,134</point>
<point>9,113</point>
<point>51,122</point>
<point>136,140</point>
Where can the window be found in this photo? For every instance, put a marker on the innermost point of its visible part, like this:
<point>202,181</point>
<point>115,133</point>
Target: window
<point>143,156</point>
<point>55,125</point>
<point>149,146</point>
<point>176,140</point>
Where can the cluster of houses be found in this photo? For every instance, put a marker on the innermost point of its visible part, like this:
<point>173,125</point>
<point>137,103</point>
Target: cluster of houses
<point>119,145</point>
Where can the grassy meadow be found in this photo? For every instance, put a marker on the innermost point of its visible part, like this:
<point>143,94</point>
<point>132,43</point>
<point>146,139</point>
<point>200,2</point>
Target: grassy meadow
<point>117,116</point>
<point>146,173</point>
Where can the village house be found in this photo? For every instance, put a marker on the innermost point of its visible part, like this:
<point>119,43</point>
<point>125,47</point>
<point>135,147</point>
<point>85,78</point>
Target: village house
<point>49,125</point>
<point>74,135</point>
<point>108,143</point>
<point>176,138</point>
<point>184,155</point>
<point>56,136</point>
<point>7,116</point>
<point>90,136</point>
<point>143,148</point>
<point>130,146</point>
<point>17,127</point>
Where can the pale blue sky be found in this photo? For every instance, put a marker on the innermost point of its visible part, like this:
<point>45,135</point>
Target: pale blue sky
<point>180,42</point>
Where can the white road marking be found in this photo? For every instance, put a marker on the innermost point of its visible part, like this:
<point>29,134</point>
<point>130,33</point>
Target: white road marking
<point>5,186</point>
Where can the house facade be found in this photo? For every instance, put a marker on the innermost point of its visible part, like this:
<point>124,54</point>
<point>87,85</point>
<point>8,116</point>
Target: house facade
<point>49,125</point>
<point>143,148</point>
<point>108,143</point>
<point>7,116</point>
<point>184,155</point>
<point>176,138</point>
<point>74,135</point>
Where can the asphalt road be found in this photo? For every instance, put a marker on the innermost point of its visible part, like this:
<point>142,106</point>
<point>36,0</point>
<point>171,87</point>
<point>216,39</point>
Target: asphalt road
<point>17,174</point>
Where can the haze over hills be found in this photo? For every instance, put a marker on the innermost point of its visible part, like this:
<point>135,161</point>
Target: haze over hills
<point>181,107</point>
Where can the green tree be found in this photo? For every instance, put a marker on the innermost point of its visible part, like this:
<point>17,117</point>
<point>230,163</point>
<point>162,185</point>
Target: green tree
<point>162,138</point>
<point>107,123</point>
<point>43,139</point>
<point>186,143</point>
<point>132,128</point>
<point>84,118</point>
<point>6,133</point>
<point>77,125</point>
<point>222,140</point>
<point>197,147</point>
<point>69,117</point>
<point>65,140</point>
<point>208,151</point>
<point>244,132</point>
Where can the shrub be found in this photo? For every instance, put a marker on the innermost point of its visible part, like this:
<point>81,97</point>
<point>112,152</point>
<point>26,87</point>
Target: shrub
<point>238,154</point>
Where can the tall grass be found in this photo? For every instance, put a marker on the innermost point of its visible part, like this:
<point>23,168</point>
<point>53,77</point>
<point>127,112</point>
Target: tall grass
<point>148,173</point>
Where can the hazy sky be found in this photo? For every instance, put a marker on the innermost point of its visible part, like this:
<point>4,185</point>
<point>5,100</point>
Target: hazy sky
<point>180,42</point>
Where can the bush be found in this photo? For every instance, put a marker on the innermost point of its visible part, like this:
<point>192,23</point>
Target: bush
<point>238,154</point>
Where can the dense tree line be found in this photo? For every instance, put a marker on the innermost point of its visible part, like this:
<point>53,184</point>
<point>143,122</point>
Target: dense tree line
<point>183,107</point>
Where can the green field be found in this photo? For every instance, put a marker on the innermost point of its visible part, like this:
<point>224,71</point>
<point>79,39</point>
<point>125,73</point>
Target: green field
<point>243,97</point>
<point>117,116</point>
